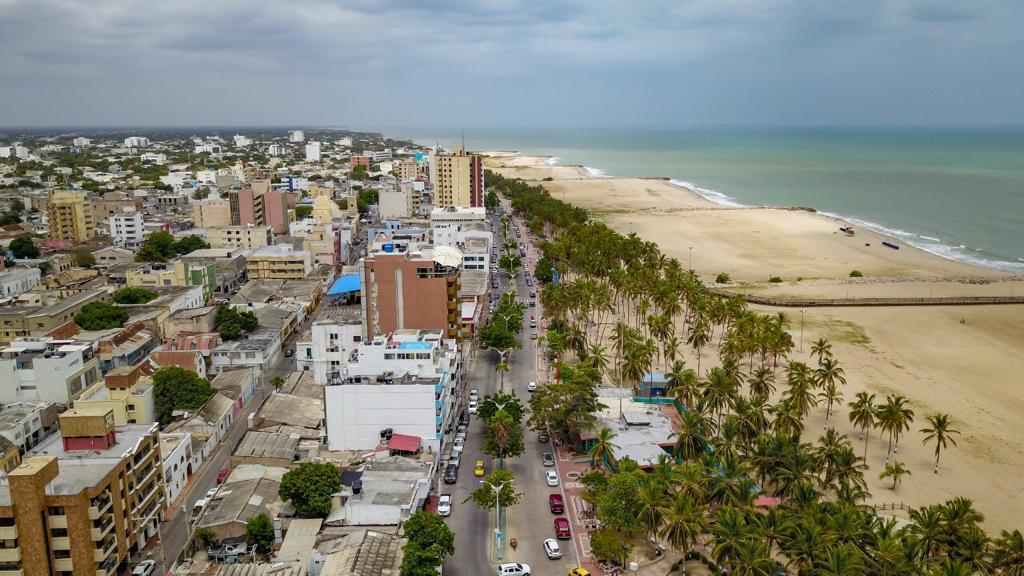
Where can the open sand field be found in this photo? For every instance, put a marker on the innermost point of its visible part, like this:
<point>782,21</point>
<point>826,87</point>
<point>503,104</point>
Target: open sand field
<point>971,370</point>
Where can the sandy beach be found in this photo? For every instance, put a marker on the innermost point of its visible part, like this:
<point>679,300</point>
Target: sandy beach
<point>963,360</point>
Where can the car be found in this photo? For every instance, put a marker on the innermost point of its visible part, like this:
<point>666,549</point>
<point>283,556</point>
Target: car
<point>444,505</point>
<point>478,468</point>
<point>211,493</point>
<point>556,503</point>
<point>579,572</point>
<point>461,429</point>
<point>458,444</point>
<point>533,335</point>
<point>451,474</point>
<point>474,394</point>
<point>222,475</point>
<point>145,568</point>
<point>533,323</point>
<point>533,303</point>
<point>473,406</point>
<point>464,418</point>
<point>456,459</point>
<point>552,477</point>
<point>543,437</point>
<point>548,458</point>
<point>514,569</point>
<point>552,549</point>
<point>562,528</point>
<point>531,387</point>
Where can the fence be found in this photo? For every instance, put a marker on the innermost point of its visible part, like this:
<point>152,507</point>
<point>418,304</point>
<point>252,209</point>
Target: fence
<point>892,507</point>
<point>822,302</point>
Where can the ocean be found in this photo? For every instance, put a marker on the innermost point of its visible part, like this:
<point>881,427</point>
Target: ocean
<point>955,192</point>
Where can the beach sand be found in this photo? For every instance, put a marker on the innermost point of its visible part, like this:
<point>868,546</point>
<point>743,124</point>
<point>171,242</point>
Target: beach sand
<point>971,370</point>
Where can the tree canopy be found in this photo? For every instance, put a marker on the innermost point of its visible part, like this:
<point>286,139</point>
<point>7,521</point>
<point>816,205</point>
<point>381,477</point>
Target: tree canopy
<point>232,323</point>
<point>101,316</point>
<point>259,530</point>
<point>309,488</point>
<point>24,248</point>
<point>430,541</point>
<point>161,247</point>
<point>176,388</point>
<point>483,496</point>
<point>134,295</point>
<point>84,258</point>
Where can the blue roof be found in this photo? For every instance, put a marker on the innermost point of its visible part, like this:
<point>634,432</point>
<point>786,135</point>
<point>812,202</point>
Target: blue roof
<point>345,284</point>
<point>414,345</point>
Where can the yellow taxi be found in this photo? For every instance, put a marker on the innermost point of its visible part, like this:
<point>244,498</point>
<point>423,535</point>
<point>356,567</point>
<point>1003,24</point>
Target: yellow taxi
<point>579,572</point>
<point>479,469</point>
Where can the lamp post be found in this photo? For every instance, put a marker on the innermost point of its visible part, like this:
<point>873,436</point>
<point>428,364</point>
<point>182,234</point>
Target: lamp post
<point>690,264</point>
<point>801,329</point>
<point>501,354</point>
<point>497,513</point>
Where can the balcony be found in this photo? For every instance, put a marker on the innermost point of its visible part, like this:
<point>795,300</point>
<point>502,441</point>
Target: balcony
<point>60,543</point>
<point>99,554</point>
<point>58,522</point>
<point>94,512</point>
<point>63,565</point>
<point>10,554</point>
<point>18,572</point>
<point>8,532</point>
<point>99,533</point>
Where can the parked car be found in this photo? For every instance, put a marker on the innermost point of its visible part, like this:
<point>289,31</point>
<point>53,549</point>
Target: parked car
<point>451,474</point>
<point>562,528</point>
<point>145,568</point>
<point>222,475</point>
<point>444,505</point>
<point>473,406</point>
<point>548,458</point>
<point>478,469</point>
<point>514,569</point>
<point>289,353</point>
<point>458,444</point>
<point>211,493</point>
<point>552,549</point>
<point>533,323</point>
<point>464,418</point>
<point>556,503</point>
<point>474,394</point>
<point>455,459</point>
<point>533,335</point>
<point>531,387</point>
<point>552,477</point>
<point>543,437</point>
<point>579,572</point>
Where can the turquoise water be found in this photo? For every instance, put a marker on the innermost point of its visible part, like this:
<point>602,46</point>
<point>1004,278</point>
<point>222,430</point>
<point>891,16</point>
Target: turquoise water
<point>956,192</point>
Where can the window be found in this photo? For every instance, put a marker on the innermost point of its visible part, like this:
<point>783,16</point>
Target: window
<point>55,510</point>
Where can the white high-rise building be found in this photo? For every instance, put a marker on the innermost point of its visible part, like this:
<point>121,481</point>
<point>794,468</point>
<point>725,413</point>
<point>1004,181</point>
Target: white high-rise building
<point>330,344</point>
<point>276,150</point>
<point>16,150</point>
<point>296,136</point>
<point>211,147</point>
<point>313,152</point>
<point>127,229</point>
<point>136,142</point>
<point>81,142</point>
<point>242,141</point>
<point>345,142</point>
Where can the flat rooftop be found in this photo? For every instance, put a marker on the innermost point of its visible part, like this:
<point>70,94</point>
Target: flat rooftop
<point>81,469</point>
<point>640,430</point>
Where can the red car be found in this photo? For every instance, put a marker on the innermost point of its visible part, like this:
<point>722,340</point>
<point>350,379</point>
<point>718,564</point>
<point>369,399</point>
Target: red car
<point>222,475</point>
<point>562,528</point>
<point>556,503</point>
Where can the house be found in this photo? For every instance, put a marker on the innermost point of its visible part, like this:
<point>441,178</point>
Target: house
<point>391,489</point>
<point>176,452</point>
<point>266,448</point>
<point>188,359</point>
<point>210,424</point>
<point>126,391</point>
<point>202,319</point>
<point>226,514</point>
<point>259,349</point>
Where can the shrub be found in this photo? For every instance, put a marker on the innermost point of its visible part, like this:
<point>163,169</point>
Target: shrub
<point>134,295</point>
<point>856,274</point>
<point>101,316</point>
<point>723,278</point>
<point>775,280</point>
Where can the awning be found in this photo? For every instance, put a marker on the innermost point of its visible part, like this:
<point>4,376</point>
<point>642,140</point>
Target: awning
<point>344,285</point>
<point>404,443</point>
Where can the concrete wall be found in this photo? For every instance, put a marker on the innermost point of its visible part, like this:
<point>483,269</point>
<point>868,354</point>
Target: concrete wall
<point>356,413</point>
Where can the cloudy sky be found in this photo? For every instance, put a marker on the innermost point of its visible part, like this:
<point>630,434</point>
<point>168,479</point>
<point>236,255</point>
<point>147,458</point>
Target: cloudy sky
<point>367,63</point>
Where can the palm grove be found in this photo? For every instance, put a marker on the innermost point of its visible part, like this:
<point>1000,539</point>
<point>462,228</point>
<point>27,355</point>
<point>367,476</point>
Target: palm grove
<point>622,309</point>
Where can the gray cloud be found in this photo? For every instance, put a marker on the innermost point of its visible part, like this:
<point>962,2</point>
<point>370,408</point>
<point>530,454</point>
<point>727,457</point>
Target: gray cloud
<point>510,62</point>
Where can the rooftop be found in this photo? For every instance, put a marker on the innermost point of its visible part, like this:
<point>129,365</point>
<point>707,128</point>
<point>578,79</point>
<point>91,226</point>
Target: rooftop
<point>641,429</point>
<point>240,501</point>
<point>294,410</point>
<point>81,469</point>
<point>257,444</point>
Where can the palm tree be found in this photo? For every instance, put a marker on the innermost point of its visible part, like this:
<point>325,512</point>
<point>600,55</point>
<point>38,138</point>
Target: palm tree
<point>862,415</point>
<point>501,368</point>
<point>842,560</point>
<point>728,530</point>
<point>603,449</point>
<point>895,470</point>
<point>821,348</point>
<point>830,395</point>
<point>651,500</point>
<point>762,382</point>
<point>1008,553</point>
<point>752,558</point>
<point>942,432</point>
<point>694,429</point>
<point>894,417</point>
<point>829,372</point>
<point>683,384</point>
<point>683,523</point>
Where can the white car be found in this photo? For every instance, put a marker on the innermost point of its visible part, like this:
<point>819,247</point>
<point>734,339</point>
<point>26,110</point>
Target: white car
<point>145,568</point>
<point>531,387</point>
<point>473,406</point>
<point>444,505</point>
<point>514,569</point>
<point>211,493</point>
<point>552,477</point>
<point>552,549</point>
<point>533,336</point>
<point>458,445</point>
<point>474,394</point>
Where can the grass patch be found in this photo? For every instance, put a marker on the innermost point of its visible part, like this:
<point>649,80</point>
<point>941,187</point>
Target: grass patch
<point>846,331</point>
<point>653,193</point>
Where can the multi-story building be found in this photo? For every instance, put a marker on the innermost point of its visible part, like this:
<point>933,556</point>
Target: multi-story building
<point>320,240</point>
<point>46,370</point>
<point>153,158</point>
<point>81,142</point>
<point>397,202</point>
<point>26,424</point>
<point>127,229</point>
<point>259,206</point>
<point>313,152</point>
<point>242,141</point>
<point>246,237</point>
<point>84,499</point>
<point>404,382</point>
<point>407,170</point>
<point>125,391</point>
<point>459,179</point>
<point>296,136</point>
<point>211,212</point>
<point>326,347</point>
<point>70,216</point>
<point>275,210</point>
<point>363,161</point>
<point>277,149</point>
<point>112,203</point>
<point>279,263</point>
<point>60,308</point>
<point>18,151</point>
<point>15,281</point>
<point>417,289</point>
<point>448,225</point>
<point>178,462</point>
<point>136,142</point>
<point>261,349</point>
<point>178,273</point>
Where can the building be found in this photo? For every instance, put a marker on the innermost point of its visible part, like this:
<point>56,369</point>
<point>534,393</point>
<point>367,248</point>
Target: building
<point>46,370</point>
<point>242,141</point>
<point>210,424</point>
<point>277,150</point>
<point>226,514</point>
<point>363,161</point>
<point>81,142</point>
<point>313,152</point>
<point>84,499</point>
<point>153,158</point>
<point>17,150</point>
<point>59,308</point>
<point>70,216</point>
<point>275,210</point>
<point>245,237</point>
<point>261,349</point>
<point>177,458</point>
<point>178,273</point>
<point>125,391</point>
<point>326,347</point>
<point>459,179</point>
<point>408,170</point>
<point>260,206</point>
<point>208,148</point>
<point>405,382</point>
<point>136,142</point>
<point>127,229</point>
<point>448,225</point>
<point>15,281</point>
<point>211,212</point>
<point>112,203</point>
<point>279,263</point>
<point>296,136</point>
<point>413,289</point>
<point>397,202</point>
<point>266,448</point>
<point>25,424</point>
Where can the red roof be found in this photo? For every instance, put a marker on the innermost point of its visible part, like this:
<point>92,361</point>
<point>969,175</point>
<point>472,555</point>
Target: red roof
<point>766,501</point>
<point>404,443</point>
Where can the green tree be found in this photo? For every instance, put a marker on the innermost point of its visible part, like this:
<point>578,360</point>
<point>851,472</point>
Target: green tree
<point>232,323</point>
<point>602,449</point>
<point>158,247</point>
<point>500,481</point>
<point>10,217</point>
<point>84,258</point>
<point>491,199</point>
<point>504,436</point>
<point>303,212</point>
<point>134,295</point>
<point>101,316</point>
<point>508,403</point>
<point>894,470</point>
<point>205,536</point>
<point>24,248</point>
<point>619,506</point>
<point>176,388</point>
<point>940,431</point>
<point>309,488</point>
<point>609,545</point>
<point>259,530</point>
<point>430,541</point>
<point>17,206</point>
<point>189,244</point>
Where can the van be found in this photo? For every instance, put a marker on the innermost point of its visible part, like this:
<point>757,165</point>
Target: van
<point>451,474</point>
<point>556,503</point>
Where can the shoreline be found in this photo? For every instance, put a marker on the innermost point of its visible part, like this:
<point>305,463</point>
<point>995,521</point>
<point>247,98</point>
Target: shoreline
<point>933,246</point>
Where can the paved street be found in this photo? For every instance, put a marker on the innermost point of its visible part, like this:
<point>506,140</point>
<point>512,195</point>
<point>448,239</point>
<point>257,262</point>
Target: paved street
<point>531,521</point>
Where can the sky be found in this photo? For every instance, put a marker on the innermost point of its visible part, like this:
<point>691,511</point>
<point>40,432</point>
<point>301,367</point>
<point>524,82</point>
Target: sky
<point>492,63</point>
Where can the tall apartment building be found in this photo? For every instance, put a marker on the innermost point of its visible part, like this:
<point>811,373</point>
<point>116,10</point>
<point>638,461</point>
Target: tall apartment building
<point>325,349</point>
<point>46,370</point>
<point>407,169</point>
<point>83,500</point>
<point>277,150</point>
<point>70,216</point>
<point>313,152</point>
<point>127,229</point>
<point>81,142</point>
<point>279,263</point>
<point>247,237</point>
<point>417,289</point>
<point>258,205</point>
<point>242,141</point>
<point>296,136</point>
<point>458,179</point>
<point>136,142</point>
<point>211,212</point>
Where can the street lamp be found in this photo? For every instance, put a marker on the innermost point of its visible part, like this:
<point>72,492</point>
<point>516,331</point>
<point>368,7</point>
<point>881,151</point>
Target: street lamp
<point>690,265</point>
<point>497,513</point>
<point>801,329</point>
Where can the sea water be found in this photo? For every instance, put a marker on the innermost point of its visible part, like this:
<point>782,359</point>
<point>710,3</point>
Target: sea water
<point>956,192</point>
